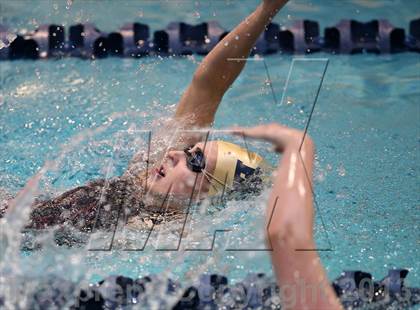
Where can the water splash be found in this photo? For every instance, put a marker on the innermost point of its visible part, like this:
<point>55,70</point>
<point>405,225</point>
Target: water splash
<point>44,259</point>
<point>51,260</point>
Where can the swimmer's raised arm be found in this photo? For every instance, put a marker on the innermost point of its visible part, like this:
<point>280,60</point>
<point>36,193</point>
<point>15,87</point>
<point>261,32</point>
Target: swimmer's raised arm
<point>217,71</point>
<point>290,216</point>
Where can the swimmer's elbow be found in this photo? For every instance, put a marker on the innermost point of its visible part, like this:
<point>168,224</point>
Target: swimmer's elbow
<point>287,237</point>
<point>308,143</point>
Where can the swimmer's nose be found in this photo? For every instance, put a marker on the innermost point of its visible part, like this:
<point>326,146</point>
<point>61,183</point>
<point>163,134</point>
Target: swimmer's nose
<point>175,156</point>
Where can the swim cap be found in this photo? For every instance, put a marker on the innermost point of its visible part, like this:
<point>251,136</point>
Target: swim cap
<point>234,164</point>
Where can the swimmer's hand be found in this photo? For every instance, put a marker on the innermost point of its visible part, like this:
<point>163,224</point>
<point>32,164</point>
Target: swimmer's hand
<point>274,4</point>
<point>282,137</point>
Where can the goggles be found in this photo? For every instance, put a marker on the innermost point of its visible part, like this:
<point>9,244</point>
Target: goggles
<point>195,160</point>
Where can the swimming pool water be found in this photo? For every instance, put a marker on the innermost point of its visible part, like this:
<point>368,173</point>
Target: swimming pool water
<point>365,126</point>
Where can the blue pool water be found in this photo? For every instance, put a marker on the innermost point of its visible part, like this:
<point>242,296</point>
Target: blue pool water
<point>365,126</point>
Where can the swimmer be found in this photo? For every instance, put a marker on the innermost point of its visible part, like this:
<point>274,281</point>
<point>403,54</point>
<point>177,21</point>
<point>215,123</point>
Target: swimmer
<point>214,165</point>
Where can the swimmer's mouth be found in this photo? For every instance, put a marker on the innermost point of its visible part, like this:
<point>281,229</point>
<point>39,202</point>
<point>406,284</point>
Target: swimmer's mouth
<point>160,171</point>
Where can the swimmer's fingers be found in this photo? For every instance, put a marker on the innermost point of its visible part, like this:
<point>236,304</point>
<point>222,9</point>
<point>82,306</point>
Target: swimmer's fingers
<point>275,5</point>
<point>281,136</point>
<point>271,132</point>
<point>257,132</point>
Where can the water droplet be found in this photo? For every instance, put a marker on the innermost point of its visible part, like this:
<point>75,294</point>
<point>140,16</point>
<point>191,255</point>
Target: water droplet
<point>341,170</point>
<point>69,3</point>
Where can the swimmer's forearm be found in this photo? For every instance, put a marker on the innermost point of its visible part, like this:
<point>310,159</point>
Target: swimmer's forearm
<point>291,229</point>
<point>199,103</point>
<point>218,70</point>
<point>292,194</point>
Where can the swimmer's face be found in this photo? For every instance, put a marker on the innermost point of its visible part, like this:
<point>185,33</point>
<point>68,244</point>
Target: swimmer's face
<point>174,176</point>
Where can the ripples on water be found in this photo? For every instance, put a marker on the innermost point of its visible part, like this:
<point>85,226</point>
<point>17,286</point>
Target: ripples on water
<point>78,124</point>
<point>63,123</point>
